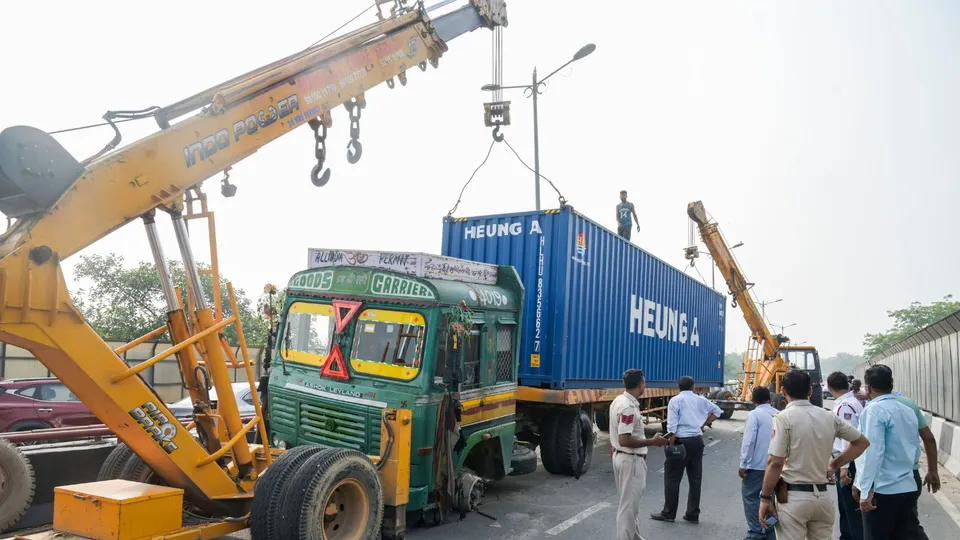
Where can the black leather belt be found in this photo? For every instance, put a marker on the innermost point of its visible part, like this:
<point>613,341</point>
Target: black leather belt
<point>806,487</point>
<point>644,456</point>
<point>689,438</point>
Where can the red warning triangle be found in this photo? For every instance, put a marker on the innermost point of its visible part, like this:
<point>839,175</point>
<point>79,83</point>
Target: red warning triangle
<point>341,318</point>
<point>335,368</point>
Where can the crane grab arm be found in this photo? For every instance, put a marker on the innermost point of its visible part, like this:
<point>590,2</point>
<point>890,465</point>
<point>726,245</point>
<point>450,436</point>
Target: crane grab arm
<point>236,119</point>
<point>733,274</point>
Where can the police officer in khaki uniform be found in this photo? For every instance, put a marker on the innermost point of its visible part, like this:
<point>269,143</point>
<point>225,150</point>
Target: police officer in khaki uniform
<point>800,449</point>
<point>629,447</point>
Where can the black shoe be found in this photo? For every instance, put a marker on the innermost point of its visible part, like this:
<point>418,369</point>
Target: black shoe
<point>660,517</point>
<point>691,519</point>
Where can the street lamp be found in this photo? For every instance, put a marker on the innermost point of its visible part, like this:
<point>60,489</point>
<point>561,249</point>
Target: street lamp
<point>534,88</point>
<point>782,327</point>
<point>763,307</point>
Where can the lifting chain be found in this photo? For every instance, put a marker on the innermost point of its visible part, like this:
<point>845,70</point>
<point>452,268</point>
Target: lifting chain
<point>354,148</point>
<point>320,138</point>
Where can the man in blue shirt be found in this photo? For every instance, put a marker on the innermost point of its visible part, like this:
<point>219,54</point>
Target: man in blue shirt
<point>624,211</point>
<point>885,477</point>
<point>688,414</point>
<point>753,461</point>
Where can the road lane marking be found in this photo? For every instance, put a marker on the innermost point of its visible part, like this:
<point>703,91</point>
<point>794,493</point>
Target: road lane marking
<point>577,519</point>
<point>948,507</point>
<point>712,443</point>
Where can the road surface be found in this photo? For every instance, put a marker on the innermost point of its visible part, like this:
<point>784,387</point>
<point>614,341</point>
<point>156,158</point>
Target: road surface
<point>541,506</point>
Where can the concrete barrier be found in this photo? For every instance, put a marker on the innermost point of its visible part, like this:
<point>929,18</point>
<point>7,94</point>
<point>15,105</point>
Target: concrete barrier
<point>948,443</point>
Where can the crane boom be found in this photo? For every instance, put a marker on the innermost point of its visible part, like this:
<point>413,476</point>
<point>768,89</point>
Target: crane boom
<point>736,281</point>
<point>64,205</point>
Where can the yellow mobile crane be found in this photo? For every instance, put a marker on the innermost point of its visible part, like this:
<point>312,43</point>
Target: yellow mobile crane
<point>768,355</point>
<point>62,205</point>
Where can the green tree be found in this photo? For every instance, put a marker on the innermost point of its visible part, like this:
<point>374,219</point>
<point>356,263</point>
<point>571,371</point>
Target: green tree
<point>908,321</point>
<point>844,362</point>
<point>125,303</point>
<point>732,363</point>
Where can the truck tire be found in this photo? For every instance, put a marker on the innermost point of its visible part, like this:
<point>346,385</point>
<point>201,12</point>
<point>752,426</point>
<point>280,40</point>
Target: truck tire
<point>725,395</point>
<point>602,418</point>
<point>113,466</point>
<point>522,461</point>
<point>549,440</point>
<point>17,484</point>
<point>712,394</point>
<point>575,437</point>
<point>269,490</point>
<point>335,495</point>
<point>137,470</point>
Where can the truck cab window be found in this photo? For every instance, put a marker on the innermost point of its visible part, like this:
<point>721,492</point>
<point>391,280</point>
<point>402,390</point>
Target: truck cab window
<point>505,357</point>
<point>471,360</point>
<point>307,334</point>
<point>388,344</point>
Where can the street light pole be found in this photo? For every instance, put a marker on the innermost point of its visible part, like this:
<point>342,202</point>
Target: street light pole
<point>536,141</point>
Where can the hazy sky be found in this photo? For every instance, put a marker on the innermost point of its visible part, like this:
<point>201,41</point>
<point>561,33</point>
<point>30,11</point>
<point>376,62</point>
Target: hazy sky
<point>824,135</point>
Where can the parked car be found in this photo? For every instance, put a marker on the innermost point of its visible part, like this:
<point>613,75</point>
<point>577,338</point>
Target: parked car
<point>183,409</point>
<point>40,403</point>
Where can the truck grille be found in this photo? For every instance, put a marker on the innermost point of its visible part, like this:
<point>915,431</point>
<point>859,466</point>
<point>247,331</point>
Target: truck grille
<point>328,422</point>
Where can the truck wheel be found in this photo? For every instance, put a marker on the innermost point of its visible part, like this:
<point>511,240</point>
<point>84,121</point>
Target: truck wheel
<point>137,470</point>
<point>549,443</point>
<point>113,466</point>
<point>269,490</point>
<point>712,394</point>
<point>602,418</point>
<point>16,484</point>
<point>335,495</point>
<point>725,395</point>
<point>575,439</point>
<point>522,461</point>
<point>726,414</point>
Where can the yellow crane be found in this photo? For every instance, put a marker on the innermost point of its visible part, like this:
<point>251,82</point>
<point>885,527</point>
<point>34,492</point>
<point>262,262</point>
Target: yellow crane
<point>768,355</point>
<point>62,205</point>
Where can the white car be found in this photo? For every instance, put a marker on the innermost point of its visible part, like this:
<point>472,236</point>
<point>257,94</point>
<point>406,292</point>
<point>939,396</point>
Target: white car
<point>183,409</point>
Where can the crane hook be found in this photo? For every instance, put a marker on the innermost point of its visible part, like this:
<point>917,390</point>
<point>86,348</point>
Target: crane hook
<point>496,134</point>
<point>354,151</point>
<point>318,179</point>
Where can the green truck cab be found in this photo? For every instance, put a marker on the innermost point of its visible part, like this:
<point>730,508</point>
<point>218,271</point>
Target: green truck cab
<point>414,338</point>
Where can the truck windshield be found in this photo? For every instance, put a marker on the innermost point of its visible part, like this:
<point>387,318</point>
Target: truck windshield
<point>802,359</point>
<point>306,338</point>
<point>388,344</point>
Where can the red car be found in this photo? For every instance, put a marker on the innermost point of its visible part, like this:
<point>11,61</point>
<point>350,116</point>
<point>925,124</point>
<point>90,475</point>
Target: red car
<point>39,404</point>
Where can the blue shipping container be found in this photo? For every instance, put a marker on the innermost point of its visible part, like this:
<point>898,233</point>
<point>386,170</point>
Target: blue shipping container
<point>596,305</point>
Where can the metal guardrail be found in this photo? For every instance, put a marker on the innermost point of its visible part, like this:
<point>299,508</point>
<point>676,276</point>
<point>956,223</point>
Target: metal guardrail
<point>926,367</point>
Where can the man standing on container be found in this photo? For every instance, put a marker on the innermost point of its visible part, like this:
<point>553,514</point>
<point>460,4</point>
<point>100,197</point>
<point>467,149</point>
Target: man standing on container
<point>688,414</point>
<point>885,472</point>
<point>800,450</point>
<point>629,447</point>
<point>848,408</point>
<point>753,461</point>
<point>624,211</point>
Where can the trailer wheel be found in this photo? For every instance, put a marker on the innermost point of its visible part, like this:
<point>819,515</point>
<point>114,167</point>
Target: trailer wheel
<point>336,495</point>
<point>549,443</point>
<point>113,466</point>
<point>602,419</point>
<point>16,484</point>
<point>725,395</point>
<point>269,490</point>
<point>712,394</point>
<point>522,461</point>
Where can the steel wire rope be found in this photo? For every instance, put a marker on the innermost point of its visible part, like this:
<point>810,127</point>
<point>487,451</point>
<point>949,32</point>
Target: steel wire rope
<point>464,188</point>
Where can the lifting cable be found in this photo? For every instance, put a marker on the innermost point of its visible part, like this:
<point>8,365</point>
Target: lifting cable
<point>460,198</point>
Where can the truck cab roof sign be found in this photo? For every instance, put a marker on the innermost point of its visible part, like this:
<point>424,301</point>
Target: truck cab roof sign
<point>421,265</point>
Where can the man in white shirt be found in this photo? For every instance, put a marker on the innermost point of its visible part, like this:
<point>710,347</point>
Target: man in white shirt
<point>688,414</point>
<point>753,461</point>
<point>848,408</point>
<point>629,446</point>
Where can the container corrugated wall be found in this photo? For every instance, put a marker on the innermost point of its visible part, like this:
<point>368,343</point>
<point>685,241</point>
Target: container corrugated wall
<point>596,305</point>
<point>926,367</point>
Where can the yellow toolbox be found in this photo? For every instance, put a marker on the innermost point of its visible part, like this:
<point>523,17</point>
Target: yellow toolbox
<point>117,510</point>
